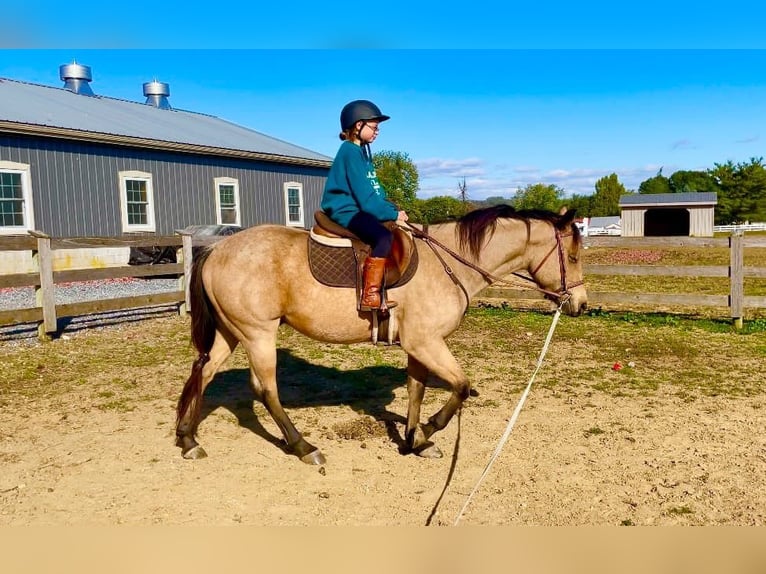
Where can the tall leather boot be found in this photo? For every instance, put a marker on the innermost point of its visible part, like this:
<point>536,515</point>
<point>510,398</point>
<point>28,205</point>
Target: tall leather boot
<point>373,272</point>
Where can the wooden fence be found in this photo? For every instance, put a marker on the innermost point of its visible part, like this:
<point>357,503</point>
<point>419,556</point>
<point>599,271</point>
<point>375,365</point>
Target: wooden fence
<point>46,312</point>
<point>736,271</point>
<point>44,279</point>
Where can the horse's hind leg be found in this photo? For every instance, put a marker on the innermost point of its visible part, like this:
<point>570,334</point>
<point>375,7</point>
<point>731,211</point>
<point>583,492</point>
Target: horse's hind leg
<point>189,411</point>
<point>415,439</point>
<point>262,352</point>
<point>434,356</point>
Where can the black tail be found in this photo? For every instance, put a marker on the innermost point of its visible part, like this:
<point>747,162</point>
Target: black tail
<point>202,312</point>
<point>203,327</point>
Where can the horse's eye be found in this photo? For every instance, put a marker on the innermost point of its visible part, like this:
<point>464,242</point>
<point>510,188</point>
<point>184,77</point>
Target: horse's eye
<point>573,259</point>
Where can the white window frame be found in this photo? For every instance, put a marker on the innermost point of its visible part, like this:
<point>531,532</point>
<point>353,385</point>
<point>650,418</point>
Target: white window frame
<point>150,224</point>
<point>26,194</point>
<point>288,186</point>
<point>218,182</point>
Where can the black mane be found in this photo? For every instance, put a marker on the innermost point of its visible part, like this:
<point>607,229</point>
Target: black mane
<point>477,226</point>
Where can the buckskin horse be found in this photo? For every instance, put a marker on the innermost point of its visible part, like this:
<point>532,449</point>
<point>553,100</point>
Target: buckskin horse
<point>246,285</point>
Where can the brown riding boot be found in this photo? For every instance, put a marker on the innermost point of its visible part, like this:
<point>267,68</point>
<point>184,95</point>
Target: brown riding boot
<point>372,282</point>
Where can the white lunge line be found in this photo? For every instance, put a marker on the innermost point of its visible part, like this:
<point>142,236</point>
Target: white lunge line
<point>515,415</point>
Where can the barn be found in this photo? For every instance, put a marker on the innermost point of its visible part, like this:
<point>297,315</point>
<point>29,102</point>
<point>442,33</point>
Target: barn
<point>688,214</point>
<point>74,162</point>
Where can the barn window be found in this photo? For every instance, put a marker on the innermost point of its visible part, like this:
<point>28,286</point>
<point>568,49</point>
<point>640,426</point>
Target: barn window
<point>227,201</point>
<point>137,201</point>
<point>16,213</point>
<point>294,204</point>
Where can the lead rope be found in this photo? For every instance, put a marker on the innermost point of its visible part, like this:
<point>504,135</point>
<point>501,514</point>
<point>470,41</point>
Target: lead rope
<point>515,415</point>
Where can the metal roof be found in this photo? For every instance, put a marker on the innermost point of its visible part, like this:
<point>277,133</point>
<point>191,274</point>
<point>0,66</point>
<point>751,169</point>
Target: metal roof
<point>59,112</point>
<point>687,198</point>
<point>605,221</point>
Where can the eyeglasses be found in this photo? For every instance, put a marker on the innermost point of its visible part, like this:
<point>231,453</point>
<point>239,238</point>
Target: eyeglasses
<point>374,128</point>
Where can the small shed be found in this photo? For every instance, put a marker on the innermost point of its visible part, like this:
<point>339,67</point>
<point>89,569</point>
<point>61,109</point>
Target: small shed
<point>688,214</point>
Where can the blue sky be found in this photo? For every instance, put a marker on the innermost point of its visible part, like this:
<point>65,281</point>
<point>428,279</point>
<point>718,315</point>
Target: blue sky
<point>500,118</point>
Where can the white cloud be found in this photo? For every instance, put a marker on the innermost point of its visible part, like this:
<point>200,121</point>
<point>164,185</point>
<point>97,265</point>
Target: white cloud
<point>442,176</point>
<point>435,167</point>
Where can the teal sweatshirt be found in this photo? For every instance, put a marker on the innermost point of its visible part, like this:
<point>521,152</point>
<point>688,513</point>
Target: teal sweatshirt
<point>352,186</point>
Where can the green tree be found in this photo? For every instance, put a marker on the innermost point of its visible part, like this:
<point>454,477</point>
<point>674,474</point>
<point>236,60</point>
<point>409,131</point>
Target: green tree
<point>582,204</point>
<point>606,200</point>
<point>439,209</point>
<point>657,184</point>
<point>538,196</point>
<point>399,177</point>
<point>684,181</point>
<point>742,191</point>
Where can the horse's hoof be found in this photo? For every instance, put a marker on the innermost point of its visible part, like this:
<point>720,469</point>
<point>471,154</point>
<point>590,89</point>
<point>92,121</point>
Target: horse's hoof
<point>428,450</point>
<point>195,453</point>
<point>314,457</point>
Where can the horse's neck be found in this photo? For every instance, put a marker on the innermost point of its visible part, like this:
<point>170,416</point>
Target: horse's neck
<point>503,254</point>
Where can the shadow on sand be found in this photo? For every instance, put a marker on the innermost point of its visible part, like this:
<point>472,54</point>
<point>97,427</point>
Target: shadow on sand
<point>367,391</point>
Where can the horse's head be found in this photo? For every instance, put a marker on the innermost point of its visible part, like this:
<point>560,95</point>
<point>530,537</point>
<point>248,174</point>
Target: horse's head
<point>556,264</point>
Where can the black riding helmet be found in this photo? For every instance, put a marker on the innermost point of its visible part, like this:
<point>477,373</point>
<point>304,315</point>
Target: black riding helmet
<point>360,110</point>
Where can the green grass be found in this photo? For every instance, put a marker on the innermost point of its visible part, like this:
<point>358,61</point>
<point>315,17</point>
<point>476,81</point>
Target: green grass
<point>687,356</point>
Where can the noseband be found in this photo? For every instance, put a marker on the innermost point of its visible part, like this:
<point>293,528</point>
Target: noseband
<point>563,294</point>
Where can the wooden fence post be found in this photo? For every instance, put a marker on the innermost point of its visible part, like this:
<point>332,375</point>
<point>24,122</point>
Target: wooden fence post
<point>188,254</point>
<point>737,277</point>
<point>45,294</point>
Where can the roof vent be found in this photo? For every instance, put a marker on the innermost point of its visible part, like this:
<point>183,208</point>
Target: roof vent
<point>157,94</point>
<point>76,78</point>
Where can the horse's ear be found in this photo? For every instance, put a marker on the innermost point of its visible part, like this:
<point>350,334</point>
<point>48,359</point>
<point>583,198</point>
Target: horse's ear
<point>567,217</point>
<point>563,210</point>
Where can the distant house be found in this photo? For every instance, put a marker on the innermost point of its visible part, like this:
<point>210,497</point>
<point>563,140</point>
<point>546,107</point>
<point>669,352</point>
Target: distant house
<point>77,163</point>
<point>668,214</point>
<point>601,226</point>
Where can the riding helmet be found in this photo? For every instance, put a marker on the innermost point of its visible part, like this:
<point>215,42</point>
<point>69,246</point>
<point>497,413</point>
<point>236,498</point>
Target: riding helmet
<point>360,110</point>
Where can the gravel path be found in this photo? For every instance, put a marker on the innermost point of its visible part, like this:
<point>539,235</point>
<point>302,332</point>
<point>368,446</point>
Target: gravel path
<point>24,297</point>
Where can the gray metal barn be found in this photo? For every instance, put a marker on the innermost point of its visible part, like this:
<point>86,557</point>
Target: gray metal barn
<point>75,163</point>
<point>668,214</point>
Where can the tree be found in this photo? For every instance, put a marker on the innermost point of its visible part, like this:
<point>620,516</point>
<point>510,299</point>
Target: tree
<point>463,189</point>
<point>657,184</point>
<point>684,181</point>
<point>742,191</point>
<point>606,200</point>
<point>582,204</point>
<point>398,176</point>
<point>538,196</point>
<point>439,209</point>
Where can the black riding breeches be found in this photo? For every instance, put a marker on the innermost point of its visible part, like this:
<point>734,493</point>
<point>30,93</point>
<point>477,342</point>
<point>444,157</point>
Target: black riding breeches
<point>370,230</point>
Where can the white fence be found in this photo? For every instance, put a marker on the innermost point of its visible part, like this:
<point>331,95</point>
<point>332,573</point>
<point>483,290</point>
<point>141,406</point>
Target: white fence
<point>741,227</point>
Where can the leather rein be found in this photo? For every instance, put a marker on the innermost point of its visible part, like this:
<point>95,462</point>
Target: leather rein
<point>560,297</point>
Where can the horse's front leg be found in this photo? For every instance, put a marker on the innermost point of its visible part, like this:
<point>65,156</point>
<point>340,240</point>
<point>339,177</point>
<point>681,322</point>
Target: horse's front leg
<point>433,356</point>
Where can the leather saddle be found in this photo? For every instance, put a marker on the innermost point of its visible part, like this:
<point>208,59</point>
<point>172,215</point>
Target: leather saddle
<point>336,255</point>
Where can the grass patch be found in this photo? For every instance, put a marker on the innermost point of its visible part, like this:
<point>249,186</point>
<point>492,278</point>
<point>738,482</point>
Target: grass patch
<point>498,347</point>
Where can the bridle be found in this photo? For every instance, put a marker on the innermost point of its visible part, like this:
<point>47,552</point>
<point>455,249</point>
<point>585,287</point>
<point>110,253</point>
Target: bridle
<point>560,297</point>
<point>565,287</point>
